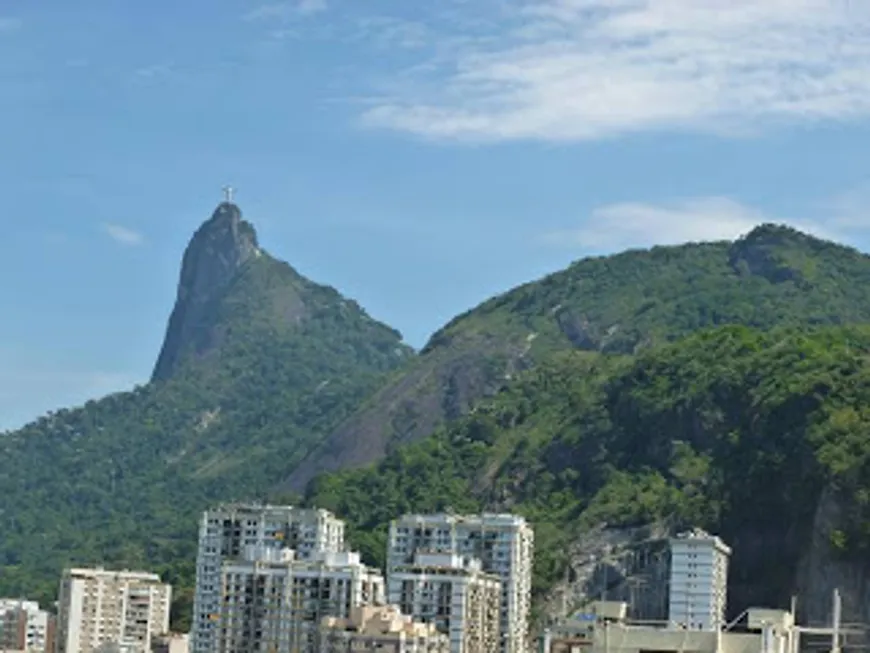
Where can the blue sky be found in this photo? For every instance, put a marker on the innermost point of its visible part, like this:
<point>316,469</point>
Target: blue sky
<point>418,156</point>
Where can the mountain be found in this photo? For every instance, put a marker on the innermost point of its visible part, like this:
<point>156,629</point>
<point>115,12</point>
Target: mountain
<point>760,436</point>
<point>616,304</point>
<point>259,364</point>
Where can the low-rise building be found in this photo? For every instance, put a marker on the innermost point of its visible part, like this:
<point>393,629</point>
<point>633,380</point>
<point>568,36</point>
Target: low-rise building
<point>604,629</point>
<point>454,594</point>
<point>381,629</point>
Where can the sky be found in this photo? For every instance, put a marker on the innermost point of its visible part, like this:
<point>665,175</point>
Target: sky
<point>418,156</point>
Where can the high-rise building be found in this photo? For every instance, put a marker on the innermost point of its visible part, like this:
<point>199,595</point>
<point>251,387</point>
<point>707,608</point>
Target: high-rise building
<point>118,610</point>
<point>699,580</point>
<point>379,629</point>
<point>274,603</point>
<point>503,544</point>
<point>454,594</point>
<point>225,532</point>
<point>25,627</point>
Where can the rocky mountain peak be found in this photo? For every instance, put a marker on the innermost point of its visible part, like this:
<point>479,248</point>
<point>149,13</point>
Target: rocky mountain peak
<point>213,258</point>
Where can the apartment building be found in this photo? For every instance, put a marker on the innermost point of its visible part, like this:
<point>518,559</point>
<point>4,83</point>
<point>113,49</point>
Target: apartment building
<point>379,629</point>
<point>454,594</point>
<point>227,530</point>
<point>504,545</point>
<point>25,627</point>
<point>100,609</point>
<point>698,581</point>
<point>274,603</point>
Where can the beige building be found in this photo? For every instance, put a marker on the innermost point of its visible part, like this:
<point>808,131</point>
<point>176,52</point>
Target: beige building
<point>604,629</point>
<point>24,626</point>
<point>455,595</point>
<point>379,629</point>
<point>274,603</point>
<point>111,610</point>
<point>503,543</point>
<point>227,530</point>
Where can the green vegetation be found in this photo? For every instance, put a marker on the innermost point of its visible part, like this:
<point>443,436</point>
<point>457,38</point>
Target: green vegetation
<point>733,429</point>
<point>122,480</point>
<point>775,276</point>
<point>609,406</point>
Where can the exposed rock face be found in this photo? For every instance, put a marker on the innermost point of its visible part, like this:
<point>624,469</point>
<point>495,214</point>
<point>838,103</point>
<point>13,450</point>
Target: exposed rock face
<point>216,253</point>
<point>822,570</point>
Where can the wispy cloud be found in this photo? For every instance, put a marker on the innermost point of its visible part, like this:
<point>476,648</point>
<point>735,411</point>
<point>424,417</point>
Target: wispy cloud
<point>635,224</point>
<point>123,235</point>
<point>31,388</point>
<point>285,10</point>
<point>153,70</point>
<point>567,70</point>
<point>387,32</point>
<point>9,24</point>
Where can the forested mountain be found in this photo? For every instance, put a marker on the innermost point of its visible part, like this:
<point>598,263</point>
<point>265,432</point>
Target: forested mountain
<point>761,437</point>
<point>620,304</point>
<point>258,365</point>
<point>589,405</point>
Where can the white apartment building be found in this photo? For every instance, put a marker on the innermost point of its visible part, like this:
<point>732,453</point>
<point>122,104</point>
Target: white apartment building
<point>274,603</point>
<point>25,627</point>
<point>102,608</point>
<point>455,595</point>
<point>379,629</point>
<point>503,543</point>
<point>698,580</point>
<point>225,532</point>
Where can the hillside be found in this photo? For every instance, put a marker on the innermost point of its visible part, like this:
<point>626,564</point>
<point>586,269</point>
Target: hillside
<point>747,433</point>
<point>620,304</point>
<point>259,365</point>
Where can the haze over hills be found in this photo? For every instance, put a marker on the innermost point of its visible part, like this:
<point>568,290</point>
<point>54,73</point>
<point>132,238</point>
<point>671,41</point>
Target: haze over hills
<point>266,378</point>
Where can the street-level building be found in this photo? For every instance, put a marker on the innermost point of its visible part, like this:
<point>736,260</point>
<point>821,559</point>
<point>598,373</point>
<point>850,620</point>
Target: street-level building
<point>503,543</point>
<point>227,530</point>
<point>379,629</point>
<point>274,603</point>
<point>454,594</point>
<point>111,610</point>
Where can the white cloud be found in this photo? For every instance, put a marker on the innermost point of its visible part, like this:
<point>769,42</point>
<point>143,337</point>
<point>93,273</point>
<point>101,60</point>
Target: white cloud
<point>123,235</point>
<point>566,70</point>
<point>634,224</point>
<point>285,10</point>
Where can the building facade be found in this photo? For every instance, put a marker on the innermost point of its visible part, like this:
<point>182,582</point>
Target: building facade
<point>225,532</point>
<point>455,595</point>
<point>698,581</point>
<point>25,627</point>
<point>379,629</point>
<point>274,603</point>
<point>504,545</point>
<point>102,609</point>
